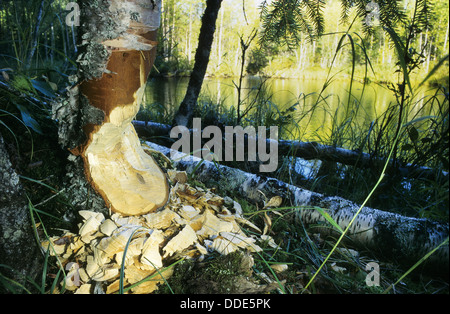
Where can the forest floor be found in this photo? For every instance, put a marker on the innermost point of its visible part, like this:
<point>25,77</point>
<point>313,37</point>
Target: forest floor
<point>290,261</point>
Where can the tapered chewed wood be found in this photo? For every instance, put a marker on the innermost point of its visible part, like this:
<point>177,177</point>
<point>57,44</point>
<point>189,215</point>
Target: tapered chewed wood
<point>128,179</point>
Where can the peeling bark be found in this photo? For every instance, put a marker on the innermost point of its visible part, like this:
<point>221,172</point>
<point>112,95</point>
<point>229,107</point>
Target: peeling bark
<point>116,54</point>
<point>386,234</point>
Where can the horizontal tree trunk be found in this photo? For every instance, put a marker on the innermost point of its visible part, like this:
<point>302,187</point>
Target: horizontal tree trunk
<point>386,234</point>
<point>313,150</point>
<point>117,51</point>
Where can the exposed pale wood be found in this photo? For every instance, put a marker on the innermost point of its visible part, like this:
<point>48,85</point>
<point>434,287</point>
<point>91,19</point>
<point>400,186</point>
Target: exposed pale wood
<point>126,177</point>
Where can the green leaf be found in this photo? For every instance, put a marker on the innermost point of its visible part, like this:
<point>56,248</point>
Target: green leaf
<point>21,83</point>
<point>43,87</point>
<point>426,140</point>
<point>407,147</point>
<point>436,67</point>
<point>28,120</point>
<point>418,120</point>
<point>400,49</point>
<point>413,134</point>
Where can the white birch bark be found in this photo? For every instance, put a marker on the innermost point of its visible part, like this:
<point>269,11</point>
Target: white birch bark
<point>385,234</point>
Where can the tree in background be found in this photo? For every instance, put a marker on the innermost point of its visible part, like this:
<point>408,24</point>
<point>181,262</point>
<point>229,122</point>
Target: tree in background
<point>185,111</point>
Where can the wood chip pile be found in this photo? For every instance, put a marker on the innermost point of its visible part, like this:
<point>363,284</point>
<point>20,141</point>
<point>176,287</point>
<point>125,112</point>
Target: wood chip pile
<point>194,223</point>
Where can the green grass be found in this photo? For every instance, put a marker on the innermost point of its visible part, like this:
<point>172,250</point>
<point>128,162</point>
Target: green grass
<point>414,129</point>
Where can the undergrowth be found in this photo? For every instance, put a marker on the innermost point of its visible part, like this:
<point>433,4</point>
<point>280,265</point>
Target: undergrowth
<point>414,129</point>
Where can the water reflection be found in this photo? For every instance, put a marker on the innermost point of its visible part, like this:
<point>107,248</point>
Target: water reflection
<point>328,107</point>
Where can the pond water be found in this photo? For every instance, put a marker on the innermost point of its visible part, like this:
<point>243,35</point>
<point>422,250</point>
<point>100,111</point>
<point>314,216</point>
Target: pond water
<point>316,111</point>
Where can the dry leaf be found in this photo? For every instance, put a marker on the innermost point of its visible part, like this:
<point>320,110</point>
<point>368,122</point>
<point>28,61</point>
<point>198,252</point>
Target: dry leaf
<point>279,268</point>
<point>237,209</point>
<point>270,241</point>
<point>273,202</point>
<point>338,269</point>
<point>5,76</point>
<point>248,223</point>
<point>267,223</point>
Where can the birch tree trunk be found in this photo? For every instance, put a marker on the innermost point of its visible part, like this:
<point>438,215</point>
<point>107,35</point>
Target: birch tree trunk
<point>385,234</point>
<point>115,56</point>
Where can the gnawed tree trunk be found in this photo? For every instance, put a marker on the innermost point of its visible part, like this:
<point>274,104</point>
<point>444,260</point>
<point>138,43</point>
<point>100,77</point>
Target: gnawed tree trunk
<point>205,40</point>
<point>386,234</point>
<point>19,256</point>
<point>116,55</point>
<point>313,150</point>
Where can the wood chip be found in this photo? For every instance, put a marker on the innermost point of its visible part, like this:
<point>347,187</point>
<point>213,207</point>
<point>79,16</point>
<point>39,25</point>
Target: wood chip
<point>160,220</point>
<point>107,227</point>
<point>150,251</point>
<point>181,241</point>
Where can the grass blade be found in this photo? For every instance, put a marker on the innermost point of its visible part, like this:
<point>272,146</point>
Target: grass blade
<point>329,218</point>
<point>445,242</point>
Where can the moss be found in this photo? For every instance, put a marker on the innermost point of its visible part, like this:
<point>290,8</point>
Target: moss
<point>98,24</point>
<point>218,274</point>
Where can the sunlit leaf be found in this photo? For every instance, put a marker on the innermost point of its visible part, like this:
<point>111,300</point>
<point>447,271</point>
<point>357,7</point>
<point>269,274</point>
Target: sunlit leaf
<point>329,219</point>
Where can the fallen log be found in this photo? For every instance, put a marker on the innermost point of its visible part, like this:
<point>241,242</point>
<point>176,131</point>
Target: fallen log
<point>386,234</point>
<point>316,151</point>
